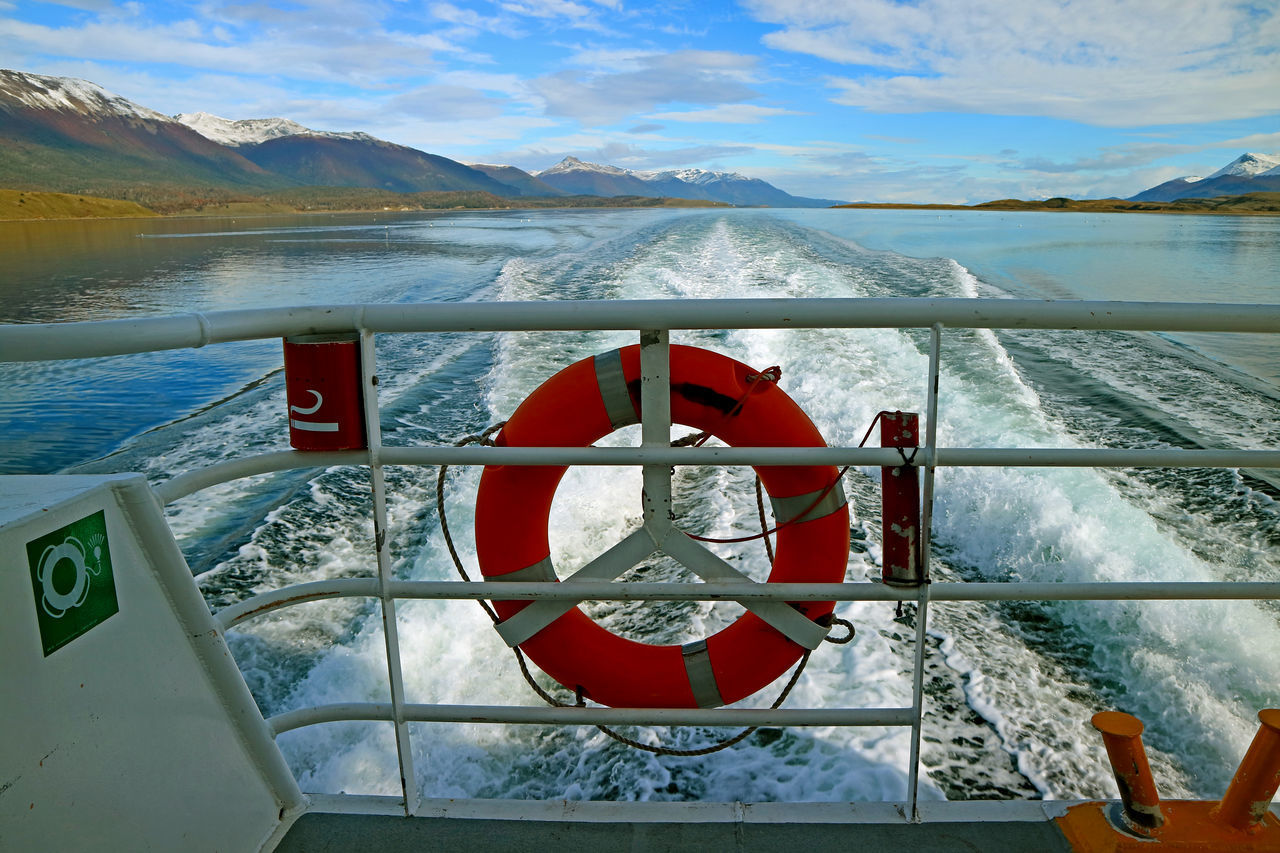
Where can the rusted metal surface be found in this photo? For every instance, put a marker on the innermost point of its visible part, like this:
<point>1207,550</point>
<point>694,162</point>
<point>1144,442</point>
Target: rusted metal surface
<point>1188,827</point>
<point>1122,736</point>
<point>1248,797</point>
<point>1141,823</point>
<point>900,488</point>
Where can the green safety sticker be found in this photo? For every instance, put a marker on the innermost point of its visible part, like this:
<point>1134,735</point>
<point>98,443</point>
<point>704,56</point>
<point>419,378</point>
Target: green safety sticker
<point>71,577</point>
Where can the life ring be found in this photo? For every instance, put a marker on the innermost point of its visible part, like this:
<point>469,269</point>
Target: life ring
<point>585,402</point>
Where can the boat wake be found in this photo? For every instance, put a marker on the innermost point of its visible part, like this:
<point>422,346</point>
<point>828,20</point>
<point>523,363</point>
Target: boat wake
<point>1010,687</point>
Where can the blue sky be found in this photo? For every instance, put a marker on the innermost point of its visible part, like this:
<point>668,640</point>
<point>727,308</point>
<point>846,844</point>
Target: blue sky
<point>877,100</point>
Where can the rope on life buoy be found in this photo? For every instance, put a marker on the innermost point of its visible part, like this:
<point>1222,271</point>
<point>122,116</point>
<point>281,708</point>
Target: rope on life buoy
<point>484,439</point>
<point>714,390</point>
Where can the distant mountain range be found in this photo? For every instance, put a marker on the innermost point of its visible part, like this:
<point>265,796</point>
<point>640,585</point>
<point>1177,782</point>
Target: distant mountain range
<point>1248,173</point>
<point>68,135</point>
<point>572,176</point>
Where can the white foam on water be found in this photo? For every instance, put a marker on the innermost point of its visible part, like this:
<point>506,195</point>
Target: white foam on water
<point>1193,676</point>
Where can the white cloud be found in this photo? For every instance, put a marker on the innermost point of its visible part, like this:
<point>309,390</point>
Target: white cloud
<point>435,104</point>
<point>629,156</point>
<point>684,77</point>
<point>726,114</point>
<point>90,5</point>
<point>563,12</point>
<point>510,85</point>
<point>1253,142</point>
<point>324,43</point>
<point>599,60</point>
<point>457,15</point>
<point>603,148</point>
<point>467,23</point>
<point>459,140</point>
<point>548,9</point>
<point>1108,160</point>
<point>1104,62</point>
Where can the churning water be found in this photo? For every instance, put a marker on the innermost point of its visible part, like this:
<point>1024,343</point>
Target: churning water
<point>1010,687</point>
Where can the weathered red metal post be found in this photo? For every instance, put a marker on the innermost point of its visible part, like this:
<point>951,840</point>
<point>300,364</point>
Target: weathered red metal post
<point>323,390</point>
<point>1122,736</point>
<point>1248,797</point>
<point>900,509</point>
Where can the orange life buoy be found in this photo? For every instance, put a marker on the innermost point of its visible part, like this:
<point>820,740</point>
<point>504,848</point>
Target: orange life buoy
<point>585,402</point>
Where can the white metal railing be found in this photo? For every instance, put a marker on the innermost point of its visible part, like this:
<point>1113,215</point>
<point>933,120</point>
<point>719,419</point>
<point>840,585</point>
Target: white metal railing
<point>654,320</point>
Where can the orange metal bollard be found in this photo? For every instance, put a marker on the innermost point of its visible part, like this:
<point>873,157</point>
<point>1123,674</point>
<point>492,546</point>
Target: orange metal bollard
<point>1122,736</point>
<point>1241,822</point>
<point>1248,797</point>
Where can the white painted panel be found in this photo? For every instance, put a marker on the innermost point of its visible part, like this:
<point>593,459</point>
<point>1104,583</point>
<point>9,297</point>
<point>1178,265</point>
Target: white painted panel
<point>117,739</point>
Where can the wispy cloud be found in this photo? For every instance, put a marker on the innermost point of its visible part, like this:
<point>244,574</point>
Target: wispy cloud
<point>595,148</point>
<point>445,104</point>
<point>1105,62</point>
<point>642,159</point>
<point>563,12</point>
<point>324,45</point>
<point>727,114</point>
<point>683,77</point>
<point>469,22</point>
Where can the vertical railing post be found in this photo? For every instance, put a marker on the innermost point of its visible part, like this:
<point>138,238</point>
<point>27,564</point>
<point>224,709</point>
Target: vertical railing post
<point>931,447</point>
<point>390,631</point>
<point>655,426</point>
<point>922,593</point>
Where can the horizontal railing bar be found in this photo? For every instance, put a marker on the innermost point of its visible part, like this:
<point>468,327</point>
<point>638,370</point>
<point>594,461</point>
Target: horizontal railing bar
<point>1053,457</point>
<point>1106,591</point>
<point>1056,457</point>
<point>301,593</point>
<point>726,591</point>
<point>1089,457</point>
<point>591,716</point>
<point>46,341</point>
<point>191,482</point>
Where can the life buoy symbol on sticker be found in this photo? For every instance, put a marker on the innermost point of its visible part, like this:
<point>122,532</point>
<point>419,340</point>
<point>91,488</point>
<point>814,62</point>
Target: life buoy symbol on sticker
<point>312,426</point>
<point>57,603</point>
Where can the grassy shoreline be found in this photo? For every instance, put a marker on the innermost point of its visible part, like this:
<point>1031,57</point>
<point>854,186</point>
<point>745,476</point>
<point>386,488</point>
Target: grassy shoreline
<point>20,205</point>
<point>23,205</point>
<point>1252,204</point>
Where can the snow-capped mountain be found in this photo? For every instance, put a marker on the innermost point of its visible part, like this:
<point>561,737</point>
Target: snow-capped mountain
<point>1248,165</point>
<point>575,176</point>
<point>570,165</point>
<point>323,158</point>
<point>691,176</point>
<point>1250,172</point>
<point>69,135</point>
<point>68,95</point>
<point>251,131</point>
